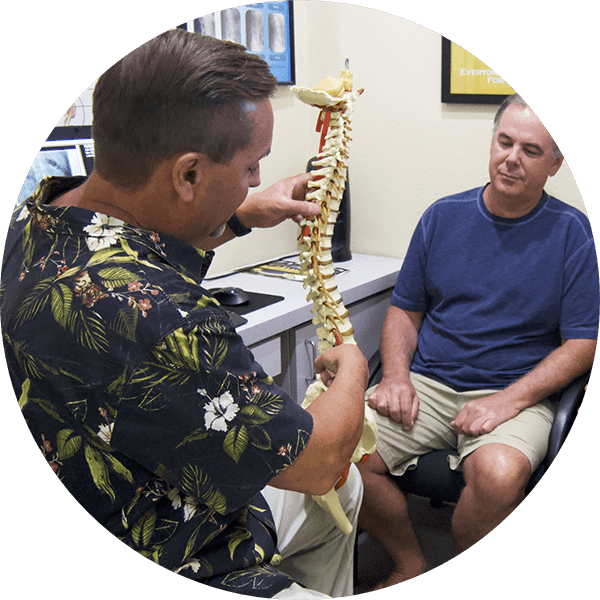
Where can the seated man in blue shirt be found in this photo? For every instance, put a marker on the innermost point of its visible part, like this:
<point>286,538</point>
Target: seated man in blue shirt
<point>495,309</point>
<point>131,376</point>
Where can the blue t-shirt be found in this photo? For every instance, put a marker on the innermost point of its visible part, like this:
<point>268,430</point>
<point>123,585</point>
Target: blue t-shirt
<point>498,294</point>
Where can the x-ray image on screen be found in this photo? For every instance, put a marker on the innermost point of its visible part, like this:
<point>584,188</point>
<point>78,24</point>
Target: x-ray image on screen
<point>67,152</point>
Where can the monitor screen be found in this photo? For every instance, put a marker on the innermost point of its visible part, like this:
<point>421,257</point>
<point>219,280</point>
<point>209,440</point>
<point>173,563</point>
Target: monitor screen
<point>68,151</point>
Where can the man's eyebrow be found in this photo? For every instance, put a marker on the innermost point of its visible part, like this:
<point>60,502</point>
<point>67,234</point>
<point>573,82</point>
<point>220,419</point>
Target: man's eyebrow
<point>265,154</point>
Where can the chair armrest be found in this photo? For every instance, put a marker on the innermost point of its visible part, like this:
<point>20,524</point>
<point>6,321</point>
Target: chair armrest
<point>568,405</point>
<point>375,369</point>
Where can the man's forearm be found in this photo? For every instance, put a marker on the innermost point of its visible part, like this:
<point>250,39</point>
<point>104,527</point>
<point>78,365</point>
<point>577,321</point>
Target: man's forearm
<point>399,342</point>
<point>557,370</point>
<point>572,359</point>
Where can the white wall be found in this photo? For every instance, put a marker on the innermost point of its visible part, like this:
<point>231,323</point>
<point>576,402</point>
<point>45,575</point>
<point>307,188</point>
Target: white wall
<point>408,148</point>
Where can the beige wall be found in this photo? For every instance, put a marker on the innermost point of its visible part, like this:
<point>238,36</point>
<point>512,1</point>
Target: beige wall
<point>408,148</point>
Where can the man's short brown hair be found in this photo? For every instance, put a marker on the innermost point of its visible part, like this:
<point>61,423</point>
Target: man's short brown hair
<point>179,92</point>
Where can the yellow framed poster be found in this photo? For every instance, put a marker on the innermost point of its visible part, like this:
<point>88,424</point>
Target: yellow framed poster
<point>465,79</point>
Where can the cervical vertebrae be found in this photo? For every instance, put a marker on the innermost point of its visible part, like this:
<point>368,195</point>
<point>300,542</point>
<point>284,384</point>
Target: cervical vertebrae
<point>328,186</point>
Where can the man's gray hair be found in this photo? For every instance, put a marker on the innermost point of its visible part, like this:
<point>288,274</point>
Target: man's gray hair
<point>517,99</point>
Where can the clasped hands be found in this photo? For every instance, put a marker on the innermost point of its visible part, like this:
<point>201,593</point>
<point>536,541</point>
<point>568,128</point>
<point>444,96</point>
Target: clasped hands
<point>398,400</point>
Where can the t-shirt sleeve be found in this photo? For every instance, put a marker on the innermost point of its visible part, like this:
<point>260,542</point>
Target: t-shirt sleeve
<point>203,415</point>
<point>581,296</point>
<point>410,291</point>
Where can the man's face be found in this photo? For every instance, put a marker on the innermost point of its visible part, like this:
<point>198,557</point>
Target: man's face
<point>225,186</point>
<point>521,156</point>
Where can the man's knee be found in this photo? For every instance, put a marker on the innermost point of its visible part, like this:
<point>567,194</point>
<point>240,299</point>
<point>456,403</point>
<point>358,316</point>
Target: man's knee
<point>373,466</point>
<point>497,469</point>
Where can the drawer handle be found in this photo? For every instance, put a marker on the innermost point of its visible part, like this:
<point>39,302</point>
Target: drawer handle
<point>311,350</point>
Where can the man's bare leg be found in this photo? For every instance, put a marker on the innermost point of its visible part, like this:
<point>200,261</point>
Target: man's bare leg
<point>384,515</point>
<point>496,476</point>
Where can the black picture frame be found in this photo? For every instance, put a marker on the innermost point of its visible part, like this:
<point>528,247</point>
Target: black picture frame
<point>452,98</point>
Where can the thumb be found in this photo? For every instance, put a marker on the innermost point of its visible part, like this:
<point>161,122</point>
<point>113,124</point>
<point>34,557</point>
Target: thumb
<point>299,185</point>
<point>299,182</point>
<point>303,210</point>
<point>374,394</point>
<point>300,208</point>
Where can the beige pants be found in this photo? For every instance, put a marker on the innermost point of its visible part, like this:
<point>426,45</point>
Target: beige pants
<point>315,553</point>
<point>438,406</point>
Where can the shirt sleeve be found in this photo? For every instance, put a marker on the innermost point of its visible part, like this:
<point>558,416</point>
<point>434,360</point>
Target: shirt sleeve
<point>410,292</point>
<point>581,296</point>
<point>202,414</point>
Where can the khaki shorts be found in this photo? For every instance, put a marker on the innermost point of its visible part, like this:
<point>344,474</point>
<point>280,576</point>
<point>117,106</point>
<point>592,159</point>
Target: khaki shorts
<point>438,407</point>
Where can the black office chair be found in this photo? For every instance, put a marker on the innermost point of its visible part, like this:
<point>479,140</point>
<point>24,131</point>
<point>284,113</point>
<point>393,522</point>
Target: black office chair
<point>433,478</point>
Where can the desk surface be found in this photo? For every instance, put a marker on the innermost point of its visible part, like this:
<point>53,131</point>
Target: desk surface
<point>366,276</point>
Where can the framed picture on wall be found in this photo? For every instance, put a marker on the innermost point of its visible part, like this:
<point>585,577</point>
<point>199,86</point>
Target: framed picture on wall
<point>264,28</point>
<point>466,80</point>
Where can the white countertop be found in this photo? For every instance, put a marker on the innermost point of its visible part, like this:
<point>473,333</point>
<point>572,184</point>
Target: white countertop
<point>366,276</point>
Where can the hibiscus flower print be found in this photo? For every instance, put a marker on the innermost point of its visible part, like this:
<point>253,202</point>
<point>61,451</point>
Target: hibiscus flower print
<point>219,411</point>
<point>190,505</point>
<point>103,231</point>
<point>105,432</point>
<point>23,212</point>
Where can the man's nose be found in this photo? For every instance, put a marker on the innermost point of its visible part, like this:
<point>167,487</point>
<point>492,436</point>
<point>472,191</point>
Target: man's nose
<point>513,155</point>
<point>255,179</point>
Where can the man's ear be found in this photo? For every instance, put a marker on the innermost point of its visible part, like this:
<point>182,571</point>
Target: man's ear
<point>556,166</point>
<point>187,173</point>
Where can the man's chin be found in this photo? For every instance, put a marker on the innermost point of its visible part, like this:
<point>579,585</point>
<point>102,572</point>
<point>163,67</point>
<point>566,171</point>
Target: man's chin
<point>218,232</point>
<point>508,186</point>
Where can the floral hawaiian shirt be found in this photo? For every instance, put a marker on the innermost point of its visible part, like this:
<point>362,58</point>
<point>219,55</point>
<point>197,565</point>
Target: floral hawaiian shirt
<point>140,394</point>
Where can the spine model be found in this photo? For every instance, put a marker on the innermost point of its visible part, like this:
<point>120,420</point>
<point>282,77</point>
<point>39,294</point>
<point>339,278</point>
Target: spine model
<point>334,97</point>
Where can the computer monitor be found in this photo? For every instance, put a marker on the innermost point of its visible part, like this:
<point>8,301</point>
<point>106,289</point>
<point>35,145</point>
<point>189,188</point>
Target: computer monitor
<point>68,151</point>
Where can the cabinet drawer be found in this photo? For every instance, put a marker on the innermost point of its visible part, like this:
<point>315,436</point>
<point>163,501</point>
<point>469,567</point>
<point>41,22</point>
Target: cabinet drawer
<point>367,317</point>
<point>268,355</point>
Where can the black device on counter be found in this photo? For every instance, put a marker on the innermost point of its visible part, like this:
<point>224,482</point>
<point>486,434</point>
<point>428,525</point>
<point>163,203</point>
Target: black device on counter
<point>340,242</point>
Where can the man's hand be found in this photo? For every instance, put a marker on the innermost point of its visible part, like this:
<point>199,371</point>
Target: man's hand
<point>338,420</point>
<point>484,415</point>
<point>397,400</point>
<point>283,200</point>
<point>347,356</point>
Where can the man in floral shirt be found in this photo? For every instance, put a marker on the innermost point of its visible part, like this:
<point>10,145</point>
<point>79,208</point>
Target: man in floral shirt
<point>132,379</point>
